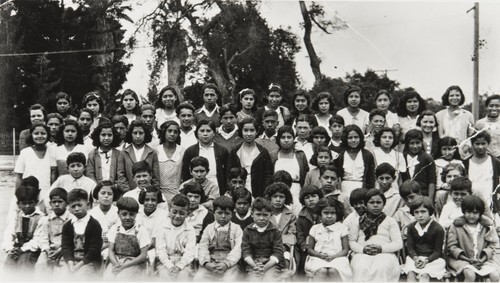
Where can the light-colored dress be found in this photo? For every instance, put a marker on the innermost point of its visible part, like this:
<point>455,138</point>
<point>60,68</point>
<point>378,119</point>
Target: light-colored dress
<point>28,164</point>
<point>290,165</point>
<point>170,171</point>
<point>353,173</point>
<point>361,119</point>
<point>481,176</point>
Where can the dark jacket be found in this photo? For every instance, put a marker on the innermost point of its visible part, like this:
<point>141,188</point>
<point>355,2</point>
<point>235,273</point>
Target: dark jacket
<point>303,225</point>
<point>92,245</point>
<point>94,166</point>
<point>496,168</point>
<point>221,156</point>
<point>262,169</point>
<point>434,146</point>
<point>230,143</point>
<point>263,245</point>
<point>303,165</point>
<point>425,172</point>
<point>369,172</point>
<point>125,162</point>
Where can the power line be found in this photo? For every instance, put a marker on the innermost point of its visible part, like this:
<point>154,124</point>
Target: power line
<point>68,52</point>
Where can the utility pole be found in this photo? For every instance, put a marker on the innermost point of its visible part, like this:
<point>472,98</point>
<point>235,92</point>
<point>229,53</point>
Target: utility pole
<point>475,90</point>
<point>385,71</point>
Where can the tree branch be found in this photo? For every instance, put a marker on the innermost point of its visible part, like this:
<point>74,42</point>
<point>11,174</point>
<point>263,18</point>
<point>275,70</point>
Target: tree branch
<point>321,26</point>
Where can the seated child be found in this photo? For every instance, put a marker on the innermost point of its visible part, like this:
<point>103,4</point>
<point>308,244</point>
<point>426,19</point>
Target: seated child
<point>472,241</point>
<point>329,178</point>
<point>425,243</point>
<point>385,175</point>
<point>242,199</point>
<point>128,243</point>
<point>18,242</point>
<point>449,172</point>
<point>143,176</point>
<point>322,156</point>
<point>175,242</point>
<point>236,179</point>
<point>285,178</point>
<point>328,244</point>
<point>357,201</point>
<point>220,246</point>
<point>282,217</point>
<point>408,191</point>
<point>199,170</point>
<point>199,216</point>
<point>81,242</point>
<point>49,231</point>
<point>262,247</point>
<point>460,187</point>
<point>105,213</point>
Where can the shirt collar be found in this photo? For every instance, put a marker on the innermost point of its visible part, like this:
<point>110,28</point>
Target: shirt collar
<point>259,229</point>
<point>84,219</point>
<point>37,211</point>
<point>421,231</point>
<point>227,135</point>
<point>208,113</point>
<point>265,137</point>
<point>65,216</point>
<point>204,148</point>
<point>244,217</point>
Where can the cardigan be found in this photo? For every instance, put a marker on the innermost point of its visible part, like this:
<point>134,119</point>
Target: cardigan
<point>261,171</point>
<point>94,165</point>
<point>92,246</point>
<point>127,159</point>
<point>303,224</point>
<point>229,143</point>
<point>388,236</point>
<point>369,171</point>
<point>425,171</point>
<point>303,165</point>
<point>287,226</point>
<point>430,244</point>
<point>221,156</point>
<point>265,244</point>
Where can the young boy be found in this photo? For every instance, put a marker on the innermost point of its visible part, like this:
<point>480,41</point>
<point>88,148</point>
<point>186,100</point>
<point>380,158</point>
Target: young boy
<point>242,213</point>
<point>408,191</point>
<point>303,129</point>
<point>120,124</point>
<point>143,176</point>
<point>460,188</point>
<point>209,110</point>
<point>185,113</point>
<point>268,138</point>
<point>81,237</point>
<point>128,243</point>
<point>48,233</point>
<point>236,179</point>
<point>85,120</point>
<point>227,133</point>
<point>220,247</point>
<point>175,242</point>
<point>329,178</point>
<point>199,169</point>
<point>19,244</point>
<point>199,216</point>
<point>262,246</point>
<point>385,175</point>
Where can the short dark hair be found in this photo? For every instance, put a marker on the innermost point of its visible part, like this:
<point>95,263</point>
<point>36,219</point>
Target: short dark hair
<point>184,105</point>
<point>353,128</point>
<point>471,203</point>
<point>56,116</point>
<point>163,129</point>
<point>138,123</point>
<point>76,157</point>
<point>408,187</point>
<point>159,102</point>
<point>427,113</point>
<point>323,95</point>
<point>77,195</point>
<point>350,90</point>
<point>314,157</point>
<point>424,201</point>
<point>229,107</point>
<point>261,203</point>
<point>309,190</point>
<point>242,193</point>
<point>106,183</point>
<point>336,119</point>
<point>409,94</point>
<point>204,122</point>
<point>88,111</point>
<point>150,189</point>
<point>59,192</point>
<point>245,121</point>
<point>199,161</point>
<point>319,130</point>
<point>356,196</point>
<point>93,95</point>
<point>137,108</point>
<point>305,94</point>
<point>378,135</point>
<point>490,98</point>
<point>445,99</point>
<point>281,131</point>
<point>447,141</point>
<point>29,138</point>
<point>96,133</point>
<point>413,134</point>
<point>270,113</point>
<point>27,193</point>
<point>243,92</point>
<point>60,134</point>
<point>30,181</point>
<point>223,202</point>
<point>279,187</point>
<point>194,188</point>
<point>211,86</point>
<point>119,119</point>
<point>63,95</point>
<point>236,172</point>
<point>141,166</point>
<point>283,177</point>
<point>332,201</point>
<point>331,167</point>
<point>38,106</point>
<point>376,112</point>
<point>180,200</point>
<point>385,168</point>
<point>461,183</point>
<point>147,106</point>
<point>374,192</point>
<point>127,203</point>
<point>274,87</point>
<point>482,134</point>
<point>382,92</point>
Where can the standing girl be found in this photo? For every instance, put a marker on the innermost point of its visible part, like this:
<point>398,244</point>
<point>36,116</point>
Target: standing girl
<point>318,137</point>
<point>428,124</point>
<point>322,157</point>
<point>323,105</point>
<point>63,106</point>
<point>301,101</point>
<point>328,244</point>
<point>409,107</point>
<point>421,167</point>
<point>170,155</point>
<point>93,101</point>
<point>167,102</point>
<point>129,105</point>
<point>253,157</point>
<point>69,139</point>
<point>383,102</point>
<point>385,141</point>
<point>273,101</point>
<point>353,114</point>
<point>446,153</point>
<point>102,163</point>
<point>247,104</point>
<point>356,164</point>
<point>54,122</point>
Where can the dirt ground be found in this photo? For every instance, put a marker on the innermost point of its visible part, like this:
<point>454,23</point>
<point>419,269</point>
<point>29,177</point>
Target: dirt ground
<point>7,182</point>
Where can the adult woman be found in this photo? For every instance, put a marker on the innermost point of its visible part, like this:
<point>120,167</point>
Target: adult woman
<point>409,107</point>
<point>454,121</point>
<point>167,102</point>
<point>356,164</point>
<point>428,123</point>
<point>375,239</point>
<point>353,114</point>
<point>253,157</point>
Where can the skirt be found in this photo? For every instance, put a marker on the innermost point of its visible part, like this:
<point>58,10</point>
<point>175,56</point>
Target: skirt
<point>435,269</point>
<point>382,267</point>
<point>341,264</point>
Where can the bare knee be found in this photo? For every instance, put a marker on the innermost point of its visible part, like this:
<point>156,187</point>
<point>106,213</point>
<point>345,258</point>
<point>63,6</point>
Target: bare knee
<point>470,275</point>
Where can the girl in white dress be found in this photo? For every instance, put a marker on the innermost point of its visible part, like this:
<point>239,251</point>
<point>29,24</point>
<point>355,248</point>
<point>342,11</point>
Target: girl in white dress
<point>323,106</point>
<point>328,244</point>
<point>353,114</point>
<point>167,102</point>
<point>69,139</point>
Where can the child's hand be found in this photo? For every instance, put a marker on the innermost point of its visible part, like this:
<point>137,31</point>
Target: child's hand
<point>210,266</point>
<point>175,269</point>
<point>117,268</point>
<point>220,267</point>
<point>53,254</point>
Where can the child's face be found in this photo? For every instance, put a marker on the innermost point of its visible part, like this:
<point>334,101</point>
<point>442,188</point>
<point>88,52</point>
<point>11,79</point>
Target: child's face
<point>93,106</point>
<point>274,99</point>
<point>247,101</point>
<point>177,214</point>
<point>205,134</point>
<point>270,123</point>
<point>311,200</point>
<point>186,117</point>
<point>447,152</point>
<point>329,181</point>
<point>409,199</point>
<point>69,133</point>
<point>168,98</point>
<point>150,202</point>
<point>129,102</point>
<point>76,169</point>
<point>249,132</point>
<point>261,217</point>
<point>36,116</point>
<point>222,216</point>
<point>53,124</point>
<point>62,106</point>
<point>105,196</point>
<point>106,137</point>
<point>323,158</point>
<point>493,108</point>
<point>278,200</point>
<point>324,106</point>
<point>385,181</point>
<point>300,103</point>
<point>228,121</point>
<point>328,215</point>
<point>58,205</point>
<point>210,97</point>
<point>242,206</point>
<point>428,123</point>
<point>383,102</point>
<point>353,139</point>
<point>172,133</point>
<point>194,200</point>
<point>199,174</point>
<point>386,140</point>
<point>458,196</point>
<point>451,175</point>
<point>121,130</point>
<point>40,136</point>
<point>27,206</point>
<point>319,139</point>
<point>79,208</point>
<point>360,207</point>
<point>138,135</point>
<point>375,205</point>
<point>85,121</point>
<point>336,129</point>
<point>303,129</point>
<point>480,146</point>
<point>415,146</point>
<point>236,183</point>
<point>454,97</point>
<point>354,99</point>
<point>472,217</point>
<point>286,141</point>
<point>127,218</point>
<point>412,105</point>
<point>377,122</point>
<point>422,215</point>
<point>148,116</point>
<point>142,178</point>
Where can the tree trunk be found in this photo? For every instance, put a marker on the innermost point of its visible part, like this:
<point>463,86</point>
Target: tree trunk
<point>313,57</point>
<point>102,38</point>
<point>177,55</point>
<point>222,82</point>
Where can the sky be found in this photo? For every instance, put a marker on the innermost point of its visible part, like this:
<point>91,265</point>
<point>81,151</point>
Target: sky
<point>425,45</point>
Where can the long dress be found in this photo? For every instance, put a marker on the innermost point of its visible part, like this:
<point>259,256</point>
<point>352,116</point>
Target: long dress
<point>291,165</point>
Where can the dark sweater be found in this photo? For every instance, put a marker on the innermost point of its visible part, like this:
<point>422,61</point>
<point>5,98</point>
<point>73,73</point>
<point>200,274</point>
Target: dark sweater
<point>92,246</point>
<point>369,163</point>
<point>425,172</point>
<point>430,244</point>
<point>243,223</point>
<point>230,143</point>
<point>262,244</point>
